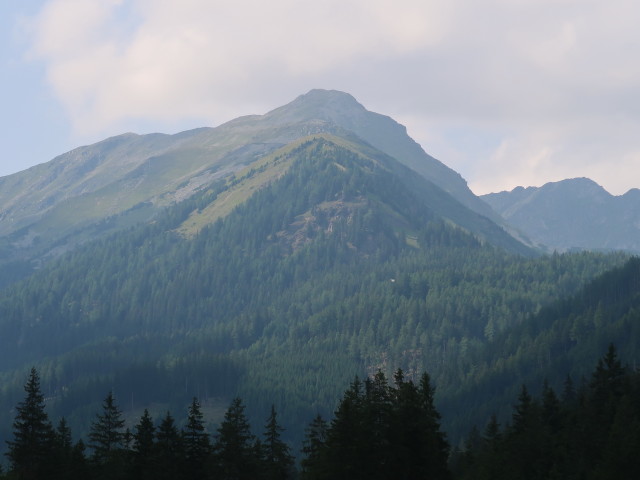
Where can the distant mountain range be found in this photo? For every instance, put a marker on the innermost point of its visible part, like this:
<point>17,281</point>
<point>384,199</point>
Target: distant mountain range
<point>572,214</point>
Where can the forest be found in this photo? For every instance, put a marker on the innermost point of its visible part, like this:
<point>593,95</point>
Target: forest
<point>378,431</point>
<point>335,269</point>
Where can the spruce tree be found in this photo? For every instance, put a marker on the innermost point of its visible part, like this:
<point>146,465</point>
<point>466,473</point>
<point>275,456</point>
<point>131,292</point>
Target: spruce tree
<point>196,440</point>
<point>436,448</point>
<point>33,436</point>
<point>235,447</point>
<point>170,450</point>
<point>608,381</point>
<point>313,446</point>
<point>63,448</point>
<point>346,438</point>
<point>143,448</point>
<point>277,458</point>
<point>106,436</point>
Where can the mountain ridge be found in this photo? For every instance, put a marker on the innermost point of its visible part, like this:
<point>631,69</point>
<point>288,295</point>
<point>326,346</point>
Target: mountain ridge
<point>573,213</point>
<point>122,180</point>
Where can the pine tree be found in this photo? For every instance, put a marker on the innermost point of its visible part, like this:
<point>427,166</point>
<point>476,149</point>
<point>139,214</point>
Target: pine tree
<point>436,448</point>
<point>608,380</point>
<point>551,414</point>
<point>346,439</point>
<point>170,450</point>
<point>63,447</point>
<point>407,433</point>
<point>196,440</point>
<point>490,465</point>
<point>106,436</point>
<point>235,447</point>
<point>143,448</point>
<point>277,461</point>
<point>33,436</point>
<point>69,462</point>
<point>313,448</point>
<point>523,411</point>
<point>608,383</point>
<point>527,442</point>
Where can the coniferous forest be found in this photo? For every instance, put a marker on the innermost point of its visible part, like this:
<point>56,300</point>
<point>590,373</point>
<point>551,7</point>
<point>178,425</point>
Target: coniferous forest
<point>200,343</point>
<point>379,430</point>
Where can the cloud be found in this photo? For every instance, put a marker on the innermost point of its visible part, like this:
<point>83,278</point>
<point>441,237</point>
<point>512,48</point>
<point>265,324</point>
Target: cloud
<point>196,57</point>
<point>554,85</point>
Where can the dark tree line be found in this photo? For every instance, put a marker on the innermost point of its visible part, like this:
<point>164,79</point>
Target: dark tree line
<point>588,432</point>
<point>150,451</point>
<point>379,431</point>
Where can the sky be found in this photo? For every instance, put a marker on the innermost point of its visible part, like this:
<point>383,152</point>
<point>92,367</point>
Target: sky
<point>506,92</point>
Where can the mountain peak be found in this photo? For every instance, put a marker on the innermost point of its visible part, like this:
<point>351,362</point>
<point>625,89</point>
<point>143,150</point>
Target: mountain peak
<point>380,131</point>
<point>318,104</point>
<point>324,95</point>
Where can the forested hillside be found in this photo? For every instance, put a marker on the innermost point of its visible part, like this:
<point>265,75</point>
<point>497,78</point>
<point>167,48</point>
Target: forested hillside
<point>589,430</point>
<point>559,340</point>
<point>279,285</point>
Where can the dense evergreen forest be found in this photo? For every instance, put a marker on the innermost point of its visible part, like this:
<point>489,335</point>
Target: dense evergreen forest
<point>337,267</point>
<point>591,430</point>
<point>378,431</point>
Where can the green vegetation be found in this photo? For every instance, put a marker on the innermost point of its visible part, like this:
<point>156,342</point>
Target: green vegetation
<point>378,431</point>
<point>588,432</point>
<point>39,452</point>
<point>338,266</point>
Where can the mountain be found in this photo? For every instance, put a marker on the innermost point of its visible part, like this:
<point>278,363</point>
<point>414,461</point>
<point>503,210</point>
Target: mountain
<point>383,133</point>
<point>572,214</point>
<point>93,190</point>
<point>274,258</point>
<point>324,259</point>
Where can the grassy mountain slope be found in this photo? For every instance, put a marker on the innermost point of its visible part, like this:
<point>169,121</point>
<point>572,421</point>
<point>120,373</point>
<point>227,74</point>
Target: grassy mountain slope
<point>98,189</point>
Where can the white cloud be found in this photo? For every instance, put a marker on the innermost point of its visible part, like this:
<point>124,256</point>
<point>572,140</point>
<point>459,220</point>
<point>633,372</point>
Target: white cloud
<point>554,84</point>
<point>196,57</point>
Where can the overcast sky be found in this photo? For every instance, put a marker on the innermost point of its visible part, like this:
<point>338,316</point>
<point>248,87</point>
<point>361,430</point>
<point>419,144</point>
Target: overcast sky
<point>506,92</point>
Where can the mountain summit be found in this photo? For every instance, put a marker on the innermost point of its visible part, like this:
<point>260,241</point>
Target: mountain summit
<point>383,133</point>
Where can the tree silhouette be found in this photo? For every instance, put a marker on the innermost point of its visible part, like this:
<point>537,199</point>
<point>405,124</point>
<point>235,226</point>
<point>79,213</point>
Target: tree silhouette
<point>235,448</point>
<point>277,458</point>
<point>33,435</point>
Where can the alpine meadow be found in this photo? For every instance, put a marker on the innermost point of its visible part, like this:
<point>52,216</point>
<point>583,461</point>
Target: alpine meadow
<point>303,294</point>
